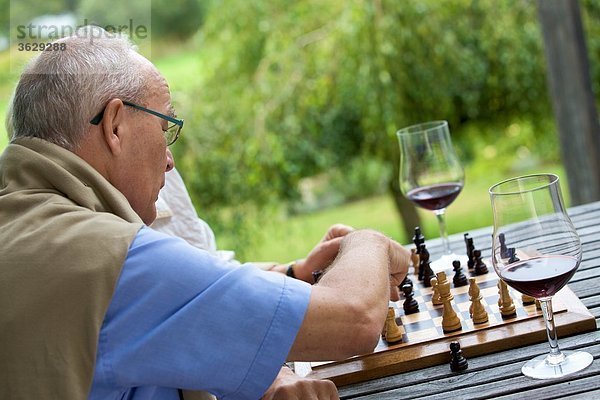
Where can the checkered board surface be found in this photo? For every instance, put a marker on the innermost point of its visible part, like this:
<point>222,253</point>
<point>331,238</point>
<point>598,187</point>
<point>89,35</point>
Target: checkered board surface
<point>426,324</point>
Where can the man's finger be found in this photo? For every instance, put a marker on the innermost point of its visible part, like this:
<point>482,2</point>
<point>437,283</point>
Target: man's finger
<point>337,230</point>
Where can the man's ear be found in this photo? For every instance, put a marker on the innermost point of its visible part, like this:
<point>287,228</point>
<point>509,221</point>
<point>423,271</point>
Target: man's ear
<point>113,125</point>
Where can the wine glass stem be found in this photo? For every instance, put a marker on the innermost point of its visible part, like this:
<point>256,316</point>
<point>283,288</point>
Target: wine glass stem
<point>555,356</point>
<point>441,217</point>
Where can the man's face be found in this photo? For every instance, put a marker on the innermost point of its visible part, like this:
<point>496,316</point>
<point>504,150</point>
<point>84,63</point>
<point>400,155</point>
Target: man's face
<point>146,158</point>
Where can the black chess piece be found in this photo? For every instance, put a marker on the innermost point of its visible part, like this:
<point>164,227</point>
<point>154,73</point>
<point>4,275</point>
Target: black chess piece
<point>458,362</point>
<point>470,250</point>
<point>504,251</point>
<point>425,266</point>
<point>418,239</point>
<point>512,255</point>
<point>410,305</point>
<point>428,275</point>
<point>460,279</point>
<point>466,236</point>
<point>406,281</point>
<point>480,267</point>
<point>423,260</point>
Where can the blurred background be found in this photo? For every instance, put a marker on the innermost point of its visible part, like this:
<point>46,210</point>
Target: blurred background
<point>291,107</point>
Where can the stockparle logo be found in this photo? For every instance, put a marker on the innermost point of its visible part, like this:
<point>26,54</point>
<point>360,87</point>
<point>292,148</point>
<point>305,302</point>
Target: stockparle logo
<point>32,31</point>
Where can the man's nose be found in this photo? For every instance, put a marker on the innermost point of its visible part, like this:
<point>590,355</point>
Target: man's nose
<point>170,161</point>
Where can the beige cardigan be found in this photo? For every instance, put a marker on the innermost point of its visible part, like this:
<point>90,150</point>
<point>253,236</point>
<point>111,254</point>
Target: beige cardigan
<point>64,235</point>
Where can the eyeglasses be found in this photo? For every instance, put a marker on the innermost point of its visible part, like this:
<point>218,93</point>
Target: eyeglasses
<point>172,131</point>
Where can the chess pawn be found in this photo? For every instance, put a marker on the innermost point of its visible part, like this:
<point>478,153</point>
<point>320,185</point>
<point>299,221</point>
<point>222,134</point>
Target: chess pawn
<point>457,361</point>
<point>450,321</point>
<point>436,299</point>
<point>480,267</point>
<point>527,300</point>
<point>459,278</point>
<point>476,309</point>
<point>410,305</point>
<point>507,306</point>
<point>391,331</point>
<point>414,257</point>
<point>406,281</point>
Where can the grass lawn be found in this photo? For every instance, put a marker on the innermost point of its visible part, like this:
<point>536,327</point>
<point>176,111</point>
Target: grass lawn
<point>292,238</point>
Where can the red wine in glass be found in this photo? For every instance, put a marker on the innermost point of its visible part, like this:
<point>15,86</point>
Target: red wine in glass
<point>536,250</point>
<point>540,276</point>
<point>435,197</point>
<point>431,175</point>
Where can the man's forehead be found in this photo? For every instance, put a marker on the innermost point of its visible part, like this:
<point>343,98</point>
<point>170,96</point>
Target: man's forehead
<point>157,86</point>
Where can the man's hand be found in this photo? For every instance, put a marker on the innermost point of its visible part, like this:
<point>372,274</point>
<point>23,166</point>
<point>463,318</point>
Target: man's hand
<point>289,386</point>
<point>337,231</point>
<point>323,254</point>
<point>399,261</point>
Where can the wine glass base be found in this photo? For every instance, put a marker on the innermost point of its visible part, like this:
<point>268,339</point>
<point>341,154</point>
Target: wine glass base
<point>540,368</point>
<point>444,263</point>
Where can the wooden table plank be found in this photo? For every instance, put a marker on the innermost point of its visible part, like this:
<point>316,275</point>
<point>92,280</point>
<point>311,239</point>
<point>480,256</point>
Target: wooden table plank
<point>584,394</point>
<point>577,388</point>
<point>498,374</point>
<point>477,366</point>
<point>497,381</point>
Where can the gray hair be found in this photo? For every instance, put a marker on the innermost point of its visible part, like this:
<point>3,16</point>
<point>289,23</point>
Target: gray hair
<point>60,91</point>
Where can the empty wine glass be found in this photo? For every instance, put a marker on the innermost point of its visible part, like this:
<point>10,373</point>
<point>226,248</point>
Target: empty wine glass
<point>536,250</point>
<point>431,175</point>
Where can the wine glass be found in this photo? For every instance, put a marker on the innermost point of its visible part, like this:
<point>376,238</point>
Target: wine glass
<point>431,175</point>
<point>536,250</point>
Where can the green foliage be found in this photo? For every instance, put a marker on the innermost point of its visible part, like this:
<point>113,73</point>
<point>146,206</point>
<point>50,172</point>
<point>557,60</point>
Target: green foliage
<point>590,10</point>
<point>173,19</point>
<point>177,19</point>
<point>292,90</point>
<point>279,92</point>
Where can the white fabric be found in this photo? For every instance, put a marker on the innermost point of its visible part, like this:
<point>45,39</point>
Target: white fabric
<point>176,216</point>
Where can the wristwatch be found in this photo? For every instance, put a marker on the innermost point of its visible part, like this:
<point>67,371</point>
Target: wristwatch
<point>290,270</point>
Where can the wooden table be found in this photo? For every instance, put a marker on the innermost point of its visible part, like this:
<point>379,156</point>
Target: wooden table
<point>498,375</point>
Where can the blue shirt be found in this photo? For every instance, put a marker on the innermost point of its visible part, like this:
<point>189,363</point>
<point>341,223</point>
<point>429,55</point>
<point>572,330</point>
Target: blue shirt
<point>181,318</point>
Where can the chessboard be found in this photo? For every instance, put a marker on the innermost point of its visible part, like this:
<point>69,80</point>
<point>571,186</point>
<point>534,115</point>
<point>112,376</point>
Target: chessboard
<point>425,344</point>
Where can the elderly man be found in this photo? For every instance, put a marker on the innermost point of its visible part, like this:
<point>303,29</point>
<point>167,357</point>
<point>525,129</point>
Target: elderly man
<point>97,304</point>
